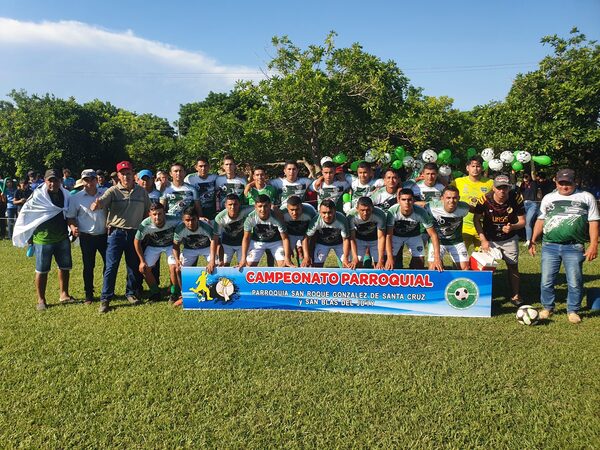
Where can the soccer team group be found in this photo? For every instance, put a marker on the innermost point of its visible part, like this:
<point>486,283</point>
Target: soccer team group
<point>366,221</point>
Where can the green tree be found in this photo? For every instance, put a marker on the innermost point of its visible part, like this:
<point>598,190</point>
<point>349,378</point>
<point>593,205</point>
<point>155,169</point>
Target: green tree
<point>554,110</point>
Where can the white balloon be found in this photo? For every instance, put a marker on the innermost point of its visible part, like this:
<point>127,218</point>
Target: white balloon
<point>523,157</point>
<point>429,156</point>
<point>418,165</point>
<point>386,158</point>
<point>369,156</point>
<point>495,164</point>
<point>408,161</point>
<point>507,156</point>
<point>445,170</point>
<point>487,154</point>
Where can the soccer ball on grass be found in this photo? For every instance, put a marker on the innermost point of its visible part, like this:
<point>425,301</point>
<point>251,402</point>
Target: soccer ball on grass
<point>527,315</point>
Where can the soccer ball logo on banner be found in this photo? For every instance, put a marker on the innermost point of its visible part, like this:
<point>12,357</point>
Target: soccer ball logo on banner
<point>462,293</point>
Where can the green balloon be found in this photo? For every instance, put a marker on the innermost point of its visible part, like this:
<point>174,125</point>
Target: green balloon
<point>542,160</point>
<point>457,174</point>
<point>515,153</point>
<point>517,165</point>
<point>397,164</point>
<point>354,165</point>
<point>456,161</point>
<point>444,156</point>
<point>340,158</point>
<point>399,153</point>
<point>471,152</point>
<point>486,165</point>
<point>346,197</point>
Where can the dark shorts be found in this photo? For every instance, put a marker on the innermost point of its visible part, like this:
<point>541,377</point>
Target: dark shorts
<point>61,252</point>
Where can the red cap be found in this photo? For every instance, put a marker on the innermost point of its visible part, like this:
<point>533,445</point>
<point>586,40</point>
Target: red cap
<point>124,165</point>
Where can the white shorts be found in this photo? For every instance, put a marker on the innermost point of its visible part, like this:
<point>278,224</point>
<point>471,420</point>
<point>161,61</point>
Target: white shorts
<point>362,246</point>
<point>458,252</point>
<point>189,256</point>
<point>229,251</point>
<point>414,244</point>
<point>257,249</point>
<point>322,251</point>
<point>152,255</point>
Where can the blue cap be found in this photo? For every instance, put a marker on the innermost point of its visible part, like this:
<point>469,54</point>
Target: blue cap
<point>145,173</point>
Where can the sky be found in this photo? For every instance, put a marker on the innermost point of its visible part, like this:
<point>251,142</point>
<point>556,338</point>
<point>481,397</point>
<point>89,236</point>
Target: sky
<point>151,57</point>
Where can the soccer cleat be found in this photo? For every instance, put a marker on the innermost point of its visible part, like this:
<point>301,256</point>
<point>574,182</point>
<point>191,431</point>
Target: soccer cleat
<point>516,301</point>
<point>574,317</point>
<point>545,314</point>
<point>104,307</point>
<point>133,300</point>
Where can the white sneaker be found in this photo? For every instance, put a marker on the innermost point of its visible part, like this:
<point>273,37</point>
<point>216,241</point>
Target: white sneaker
<point>526,244</point>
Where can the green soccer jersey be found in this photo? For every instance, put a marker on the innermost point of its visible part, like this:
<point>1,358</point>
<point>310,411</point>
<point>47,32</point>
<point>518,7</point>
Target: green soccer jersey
<point>155,236</point>
<point>268,190</point>
<point>448,225</point>
<point>267,230</point>
<point>366,230</point>
<point>566,217</point>
<point>194,239</point>
<point>408,226</point>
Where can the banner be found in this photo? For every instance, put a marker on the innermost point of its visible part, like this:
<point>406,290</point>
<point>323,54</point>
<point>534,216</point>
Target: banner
<point>415,292</point>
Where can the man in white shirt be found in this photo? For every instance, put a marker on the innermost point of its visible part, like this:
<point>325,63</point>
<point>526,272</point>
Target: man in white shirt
<point>89,226</point>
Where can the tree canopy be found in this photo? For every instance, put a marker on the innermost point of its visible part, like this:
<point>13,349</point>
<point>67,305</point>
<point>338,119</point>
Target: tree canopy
<point>318,101</point>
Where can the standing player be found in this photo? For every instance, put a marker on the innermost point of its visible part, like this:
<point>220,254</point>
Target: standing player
<point>503,213</point>
<point>258,186</point>
<point>448,215</point>
<point>361,185</point>
<point>297,216</point>
<point>157,232</point>
<point>204,182</point>
<point>230,183</point>
<point>327,231</point>
<point>470,188</point>
<point>263,231</point>
<point>428,188</point>
<point>387,195</point>
<point>291,184</point>
<point>327,187</point>
<point>179,195</point>
<point>229,228</point>
<point>403,227</point>
<point>368,228</point>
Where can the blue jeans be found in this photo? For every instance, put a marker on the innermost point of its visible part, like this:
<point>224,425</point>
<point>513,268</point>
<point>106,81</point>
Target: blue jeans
<point>120,242</point>
<point>11,218</point>
<point>531,212</point>
<point>571,255</point>
<point>90,244</point>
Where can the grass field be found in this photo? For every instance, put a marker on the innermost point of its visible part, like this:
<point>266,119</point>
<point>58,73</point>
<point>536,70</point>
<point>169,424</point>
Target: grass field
<point>154,377</point>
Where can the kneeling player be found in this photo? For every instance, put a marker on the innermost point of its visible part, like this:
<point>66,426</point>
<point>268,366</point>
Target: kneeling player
<point>448,214</point>
<point>263,231</point>
<point>327,231</point>
<point>197,239</point>
<point>297,216</point>
<point>229,229</point>
<point>404,222</point>
<point>157,232</point>
<point>367,232</point>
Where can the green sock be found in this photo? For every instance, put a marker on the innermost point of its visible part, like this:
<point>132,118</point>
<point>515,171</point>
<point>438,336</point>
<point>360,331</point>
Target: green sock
<point>175,290</point>
<point>154,289</point>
